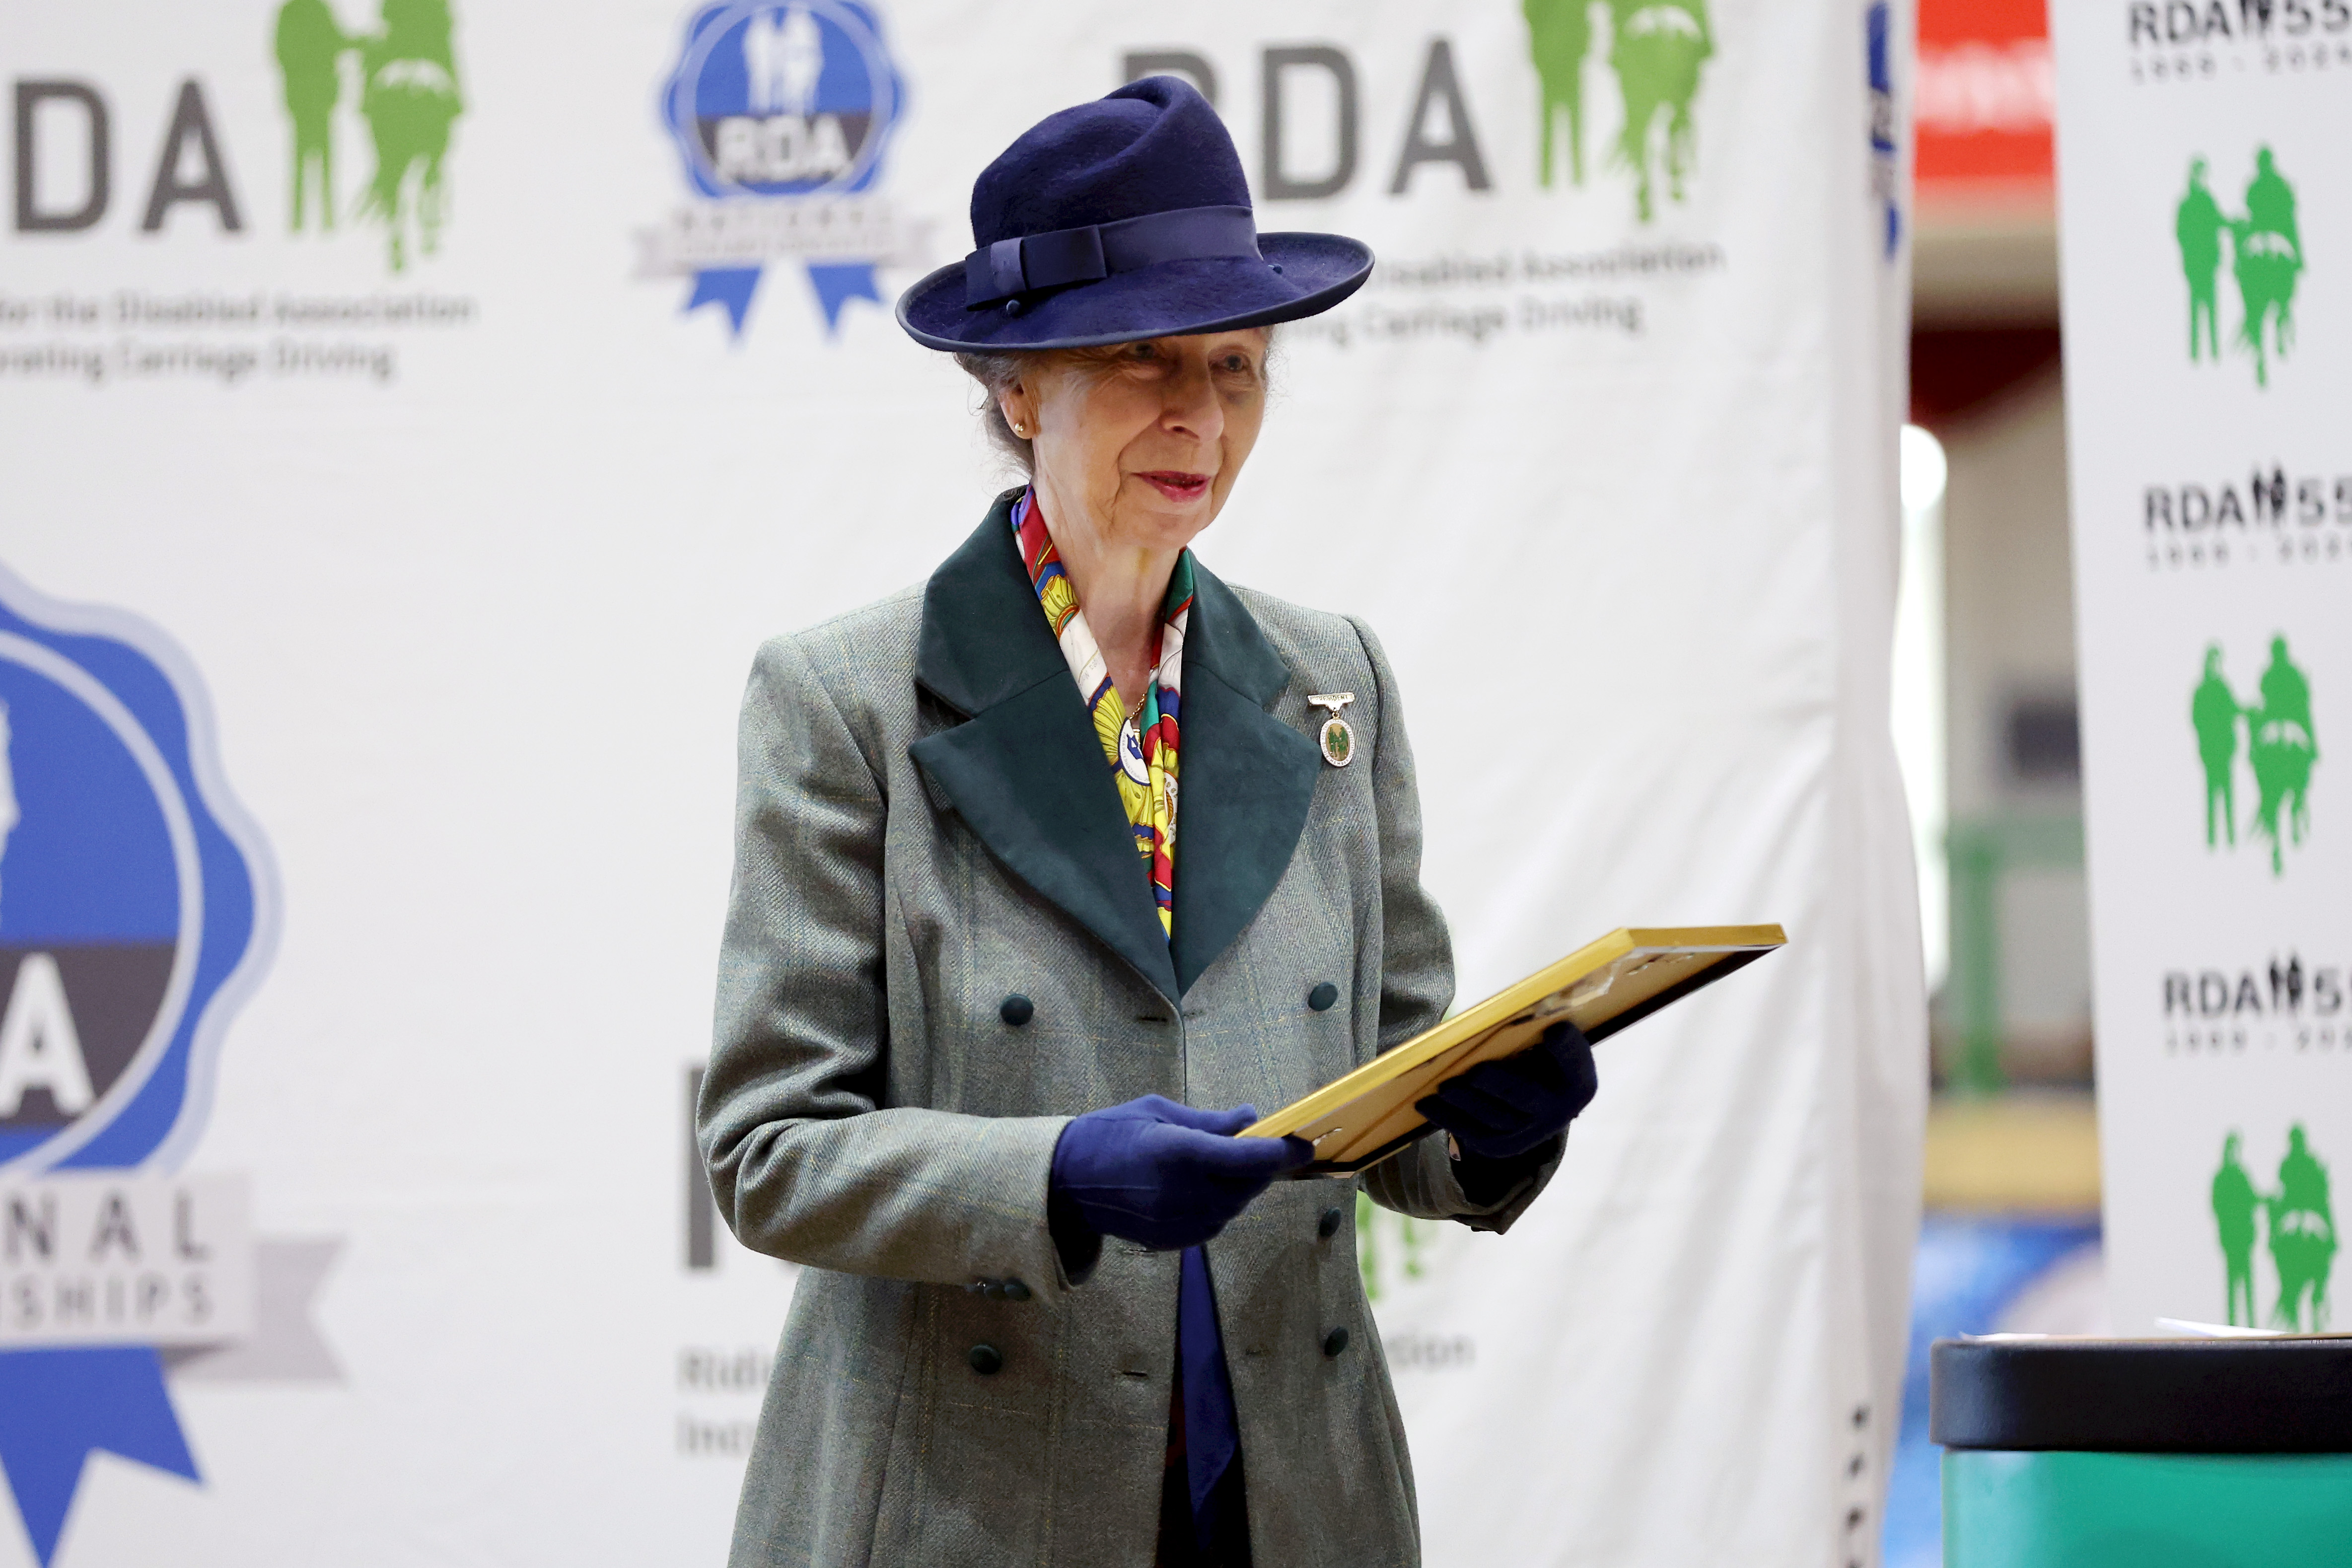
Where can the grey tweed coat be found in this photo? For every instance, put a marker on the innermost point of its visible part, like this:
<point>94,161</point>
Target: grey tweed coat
<point>926,828</point>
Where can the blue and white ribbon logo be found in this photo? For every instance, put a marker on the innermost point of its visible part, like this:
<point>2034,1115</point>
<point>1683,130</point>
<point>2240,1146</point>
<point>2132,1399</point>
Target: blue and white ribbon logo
<point>137,907</point>
<point>781,114</point>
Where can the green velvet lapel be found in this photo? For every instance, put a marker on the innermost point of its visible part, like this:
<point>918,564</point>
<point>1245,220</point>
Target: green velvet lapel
<point>1244,781</point>
<point>1025,770</point>
<point>1026,774</point>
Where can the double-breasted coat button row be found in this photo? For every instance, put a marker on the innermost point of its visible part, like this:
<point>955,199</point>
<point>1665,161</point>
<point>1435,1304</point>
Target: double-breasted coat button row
<point>1335,1342</point>
<point>999,1289</point>
<point>1328,1226</point>
<point>1017,1009</point>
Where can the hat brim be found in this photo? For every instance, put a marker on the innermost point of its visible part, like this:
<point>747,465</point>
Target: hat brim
<point>1293,276</point>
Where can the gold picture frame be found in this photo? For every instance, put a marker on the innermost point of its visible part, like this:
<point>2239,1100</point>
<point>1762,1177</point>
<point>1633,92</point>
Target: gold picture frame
<point>1359,1120</point>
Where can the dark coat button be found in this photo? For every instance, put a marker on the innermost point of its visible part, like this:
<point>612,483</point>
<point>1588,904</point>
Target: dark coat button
<point>1322,996</point>
<point>1333,1343</point>
<point>988,1361</point>
<point>1017,1010</point>
<point>1015,1290</point>
<point>1328,1226</point>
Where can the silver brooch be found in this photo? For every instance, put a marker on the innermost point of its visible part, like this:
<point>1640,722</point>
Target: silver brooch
<point>1337,741</point>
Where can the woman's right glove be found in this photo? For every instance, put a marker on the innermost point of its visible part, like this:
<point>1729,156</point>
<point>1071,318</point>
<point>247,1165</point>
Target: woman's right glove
<point>1507,1108</point>
<point>1507,1116</point>
<point>1161,1174</point>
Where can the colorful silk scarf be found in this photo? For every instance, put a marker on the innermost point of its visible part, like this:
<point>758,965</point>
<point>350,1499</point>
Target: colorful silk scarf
<point>1141,755</point>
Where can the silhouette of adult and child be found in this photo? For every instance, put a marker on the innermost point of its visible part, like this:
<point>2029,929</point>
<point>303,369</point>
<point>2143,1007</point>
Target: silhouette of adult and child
<point>2266,251</point>
<point>408,95</point>
<point>2302,1234</point>
<point>1655,50</point>
<point>2280,747</point>
<point>783,58</point>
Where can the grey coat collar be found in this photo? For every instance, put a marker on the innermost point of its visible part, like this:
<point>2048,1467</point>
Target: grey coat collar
<point>1026,772</point>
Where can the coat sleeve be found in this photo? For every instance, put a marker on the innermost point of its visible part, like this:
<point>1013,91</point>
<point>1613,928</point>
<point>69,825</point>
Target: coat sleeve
<point>806,1159</point>
<point>1417,980</point>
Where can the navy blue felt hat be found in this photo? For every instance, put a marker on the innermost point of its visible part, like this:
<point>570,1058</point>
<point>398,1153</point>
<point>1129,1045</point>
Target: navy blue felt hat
<point>1124,219</point>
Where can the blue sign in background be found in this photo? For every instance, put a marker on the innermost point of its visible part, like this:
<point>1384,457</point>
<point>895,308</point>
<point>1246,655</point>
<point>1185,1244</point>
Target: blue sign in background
<point>711,80</point>
<point>125,881</point>
<point>845,87</point>
<point>90,859</point>
<point>90,882</point>
<point>87,886</point>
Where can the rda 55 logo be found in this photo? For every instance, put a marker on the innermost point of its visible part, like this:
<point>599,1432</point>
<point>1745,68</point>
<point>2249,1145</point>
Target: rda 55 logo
<point>782,115</point>
<point>137,907</point>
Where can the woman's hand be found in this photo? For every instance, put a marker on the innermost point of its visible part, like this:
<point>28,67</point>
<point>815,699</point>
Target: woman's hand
<point>1499,1111</point>
<point>1162,1174</point>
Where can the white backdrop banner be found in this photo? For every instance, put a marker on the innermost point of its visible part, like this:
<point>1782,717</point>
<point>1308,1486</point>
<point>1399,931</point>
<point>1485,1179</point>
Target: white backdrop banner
<point>2208,373</point>
<point>413,415</point>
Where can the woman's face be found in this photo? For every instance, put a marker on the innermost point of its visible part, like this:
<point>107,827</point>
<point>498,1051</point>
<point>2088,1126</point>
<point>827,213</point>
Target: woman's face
<point>1146,439</point>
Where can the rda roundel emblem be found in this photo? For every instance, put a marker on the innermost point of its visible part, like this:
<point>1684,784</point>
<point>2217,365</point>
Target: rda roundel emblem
<point>783,113</point>
<point>135,903</point>
<point>783,99</point>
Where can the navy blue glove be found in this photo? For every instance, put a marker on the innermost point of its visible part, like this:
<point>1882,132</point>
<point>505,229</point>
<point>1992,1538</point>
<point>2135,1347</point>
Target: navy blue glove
<point>1500,1110</point>
<point>1162,1174</point>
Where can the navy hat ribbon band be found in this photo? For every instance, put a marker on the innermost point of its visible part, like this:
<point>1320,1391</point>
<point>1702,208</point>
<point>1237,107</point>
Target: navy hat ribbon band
<point>1018,266</point>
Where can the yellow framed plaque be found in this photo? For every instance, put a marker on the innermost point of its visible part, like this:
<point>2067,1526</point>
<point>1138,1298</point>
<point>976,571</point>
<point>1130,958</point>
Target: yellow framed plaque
<point>1358,1120</point>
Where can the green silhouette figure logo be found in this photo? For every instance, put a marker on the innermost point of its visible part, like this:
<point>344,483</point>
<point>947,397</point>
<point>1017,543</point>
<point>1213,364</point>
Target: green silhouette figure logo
<point>2199,225</point>
<point>2214,710</point>
<point>408,95</point>
<point>2281,748</point>
<point>410,101</point>
<point>2269,252</point>
<point>1560,34</point>
<point>310,45</point>
<point>2266,257</point>
<point>2302,1238</point>
<point>2234,1202</point>
<point>2302,1235</point>
<point>1656,48</point>
<point>1656,52</point>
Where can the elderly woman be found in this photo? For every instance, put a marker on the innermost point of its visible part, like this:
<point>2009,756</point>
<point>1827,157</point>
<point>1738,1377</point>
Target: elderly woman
<point>983,960</point>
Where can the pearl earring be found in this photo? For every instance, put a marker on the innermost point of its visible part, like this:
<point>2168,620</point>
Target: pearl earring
<point>1022,431</point>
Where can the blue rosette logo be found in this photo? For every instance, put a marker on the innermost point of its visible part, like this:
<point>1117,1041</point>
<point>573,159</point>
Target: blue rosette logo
<point>136,910</point>
<point>782,115</point>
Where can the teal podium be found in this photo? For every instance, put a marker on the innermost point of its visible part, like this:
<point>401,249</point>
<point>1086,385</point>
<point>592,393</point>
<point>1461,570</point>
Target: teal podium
<point>2144,1453</point>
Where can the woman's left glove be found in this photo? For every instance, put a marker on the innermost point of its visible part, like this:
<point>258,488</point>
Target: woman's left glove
<point>1500,1110</point>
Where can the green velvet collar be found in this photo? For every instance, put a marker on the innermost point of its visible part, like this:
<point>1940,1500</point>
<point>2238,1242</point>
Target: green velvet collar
<point>1026,772</point>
